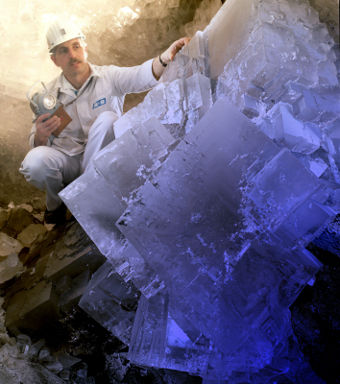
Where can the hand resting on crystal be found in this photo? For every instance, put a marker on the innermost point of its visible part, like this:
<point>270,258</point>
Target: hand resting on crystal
<point>160,62</point>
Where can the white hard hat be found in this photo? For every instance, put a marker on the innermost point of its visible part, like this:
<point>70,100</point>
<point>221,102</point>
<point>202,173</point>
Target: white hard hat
<point>61,31</point>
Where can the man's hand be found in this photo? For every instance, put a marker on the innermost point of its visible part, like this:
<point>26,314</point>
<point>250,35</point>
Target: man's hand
<point>174,48</point>
<point>159,63</point>
<point>44,128</point>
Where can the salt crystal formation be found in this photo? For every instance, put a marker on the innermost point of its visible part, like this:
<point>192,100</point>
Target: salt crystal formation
<point>226,269</point>
<point>107,293</point>
<point>207,208</point>
<point>178,105</point>
<point>286,80</point>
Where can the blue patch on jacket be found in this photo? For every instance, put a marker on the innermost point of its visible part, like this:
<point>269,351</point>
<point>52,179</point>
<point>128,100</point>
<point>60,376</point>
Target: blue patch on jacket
<point>99,103</point>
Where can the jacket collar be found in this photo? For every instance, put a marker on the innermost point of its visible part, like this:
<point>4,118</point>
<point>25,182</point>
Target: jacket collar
<point>62,85</point>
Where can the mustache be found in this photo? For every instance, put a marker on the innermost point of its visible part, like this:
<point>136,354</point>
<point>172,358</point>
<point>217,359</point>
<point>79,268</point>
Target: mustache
<point>74,61</point>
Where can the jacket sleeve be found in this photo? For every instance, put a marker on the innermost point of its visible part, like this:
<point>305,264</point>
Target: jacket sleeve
<point>135,79</point>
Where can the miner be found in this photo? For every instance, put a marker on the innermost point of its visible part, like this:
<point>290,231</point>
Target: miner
<point>92,98</point>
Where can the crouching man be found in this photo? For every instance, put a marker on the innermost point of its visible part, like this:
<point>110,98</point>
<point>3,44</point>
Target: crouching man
<point>93,97</point>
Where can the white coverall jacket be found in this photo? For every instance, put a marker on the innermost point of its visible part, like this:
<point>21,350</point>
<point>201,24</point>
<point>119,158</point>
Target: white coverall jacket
<point>93,108</point>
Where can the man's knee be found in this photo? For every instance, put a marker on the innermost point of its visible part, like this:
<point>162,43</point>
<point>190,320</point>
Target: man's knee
<point>107,117</point>
<point>103,126</point>
<point>104,122</point>
<point>36,164</point>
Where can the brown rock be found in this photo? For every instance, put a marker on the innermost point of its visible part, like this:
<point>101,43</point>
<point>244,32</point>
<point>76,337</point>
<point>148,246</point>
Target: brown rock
<point>39,216</point>
<point>38,204</point>
<point>19,218</point>
<point>31,277</point>
<point>8,246</point>
<point>10,267</point>
<point>87,259</point>
<point>39,248</point>
<point>28,207</point>
<point>32,309</point>
<point>3,217</point>
<point>32,233</point>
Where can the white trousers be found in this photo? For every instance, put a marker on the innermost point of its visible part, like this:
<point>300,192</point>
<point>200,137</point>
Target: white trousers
<point>51,170</point>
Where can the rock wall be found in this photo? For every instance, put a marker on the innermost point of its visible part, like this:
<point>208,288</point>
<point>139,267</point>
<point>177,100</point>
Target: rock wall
<point>14,128</point>
<point>329,14</point>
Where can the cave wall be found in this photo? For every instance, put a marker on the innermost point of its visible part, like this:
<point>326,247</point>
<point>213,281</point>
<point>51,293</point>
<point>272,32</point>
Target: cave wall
<point>14,127</point>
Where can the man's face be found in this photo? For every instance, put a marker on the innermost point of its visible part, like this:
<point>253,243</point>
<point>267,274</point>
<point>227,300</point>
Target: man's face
<point>71,57</point>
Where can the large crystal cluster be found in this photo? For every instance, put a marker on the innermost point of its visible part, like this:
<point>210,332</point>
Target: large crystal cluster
<point>212,190</point>
<point>286,80</point>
